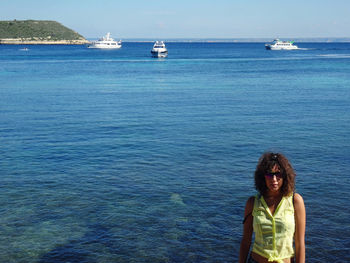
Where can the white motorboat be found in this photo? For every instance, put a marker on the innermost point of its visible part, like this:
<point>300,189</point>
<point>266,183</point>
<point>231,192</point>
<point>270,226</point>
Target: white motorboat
<point>281,45</point>
<point>106,42</point>
<point>159,50</point>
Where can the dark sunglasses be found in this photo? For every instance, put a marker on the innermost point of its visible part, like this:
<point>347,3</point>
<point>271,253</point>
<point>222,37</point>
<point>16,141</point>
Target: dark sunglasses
<point>278,175</point>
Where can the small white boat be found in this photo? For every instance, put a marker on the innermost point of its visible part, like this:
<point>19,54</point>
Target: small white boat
<point>106,42</point>
<point>159,50</point>
<point>281,45</point>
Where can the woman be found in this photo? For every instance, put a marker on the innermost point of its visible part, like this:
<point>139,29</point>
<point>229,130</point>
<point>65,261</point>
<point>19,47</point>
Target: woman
<point>276,215</point>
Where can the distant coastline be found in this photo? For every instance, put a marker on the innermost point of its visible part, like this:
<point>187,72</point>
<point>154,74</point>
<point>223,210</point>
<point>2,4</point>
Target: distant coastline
<point>239,40</point>
<point>22,41</point>
<point>19,41</point>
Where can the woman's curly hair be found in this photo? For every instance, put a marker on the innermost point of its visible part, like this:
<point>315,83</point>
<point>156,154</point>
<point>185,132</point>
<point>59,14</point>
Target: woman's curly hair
<point>266,162</point>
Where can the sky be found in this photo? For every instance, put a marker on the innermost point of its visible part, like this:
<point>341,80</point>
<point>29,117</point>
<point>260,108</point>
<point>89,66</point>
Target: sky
<point>189,18</point>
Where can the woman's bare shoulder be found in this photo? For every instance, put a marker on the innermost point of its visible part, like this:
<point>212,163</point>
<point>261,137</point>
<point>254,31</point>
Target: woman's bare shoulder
<point>298,198</point>
<point>298,201</point>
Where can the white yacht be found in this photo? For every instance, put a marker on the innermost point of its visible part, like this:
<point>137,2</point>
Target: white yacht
<point>159,50</point>
<point>281,45</point>
<point>106,42</point>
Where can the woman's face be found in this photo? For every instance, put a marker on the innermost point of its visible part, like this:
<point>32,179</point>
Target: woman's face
<point>274,180</point>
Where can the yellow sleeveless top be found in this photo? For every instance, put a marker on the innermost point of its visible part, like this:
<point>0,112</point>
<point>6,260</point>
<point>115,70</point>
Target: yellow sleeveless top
<point>274,233</point>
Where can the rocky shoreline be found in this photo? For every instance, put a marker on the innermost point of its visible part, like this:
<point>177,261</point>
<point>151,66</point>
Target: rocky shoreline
<point>21,41</point>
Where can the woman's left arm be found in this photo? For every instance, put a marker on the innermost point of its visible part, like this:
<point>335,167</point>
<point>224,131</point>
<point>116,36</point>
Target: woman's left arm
<point>300,222</point>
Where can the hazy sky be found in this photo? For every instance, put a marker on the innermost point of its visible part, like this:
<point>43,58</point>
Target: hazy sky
<point>189,18</point>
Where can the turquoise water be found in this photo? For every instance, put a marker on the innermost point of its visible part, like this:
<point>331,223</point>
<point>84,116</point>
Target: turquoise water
<point>114,156</point>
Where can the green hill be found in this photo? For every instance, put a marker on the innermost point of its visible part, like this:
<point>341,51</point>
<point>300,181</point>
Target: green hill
<point>38,31</point>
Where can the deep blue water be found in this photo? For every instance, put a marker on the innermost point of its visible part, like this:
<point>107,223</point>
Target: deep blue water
<point>114,156</point>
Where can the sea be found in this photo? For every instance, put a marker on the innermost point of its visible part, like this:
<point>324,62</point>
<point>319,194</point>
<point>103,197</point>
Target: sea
<point>114,156</point>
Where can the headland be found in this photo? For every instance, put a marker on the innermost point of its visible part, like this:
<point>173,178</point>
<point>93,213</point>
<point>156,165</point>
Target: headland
<point>38,32</point>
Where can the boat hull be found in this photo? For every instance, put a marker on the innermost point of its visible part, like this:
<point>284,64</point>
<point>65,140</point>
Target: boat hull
<point>105,46</point>
<point>159,54</point>
<point>281,48</point>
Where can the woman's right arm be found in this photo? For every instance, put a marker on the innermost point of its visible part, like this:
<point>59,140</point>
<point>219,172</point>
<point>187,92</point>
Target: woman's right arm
<point>247,230</point>
<point>300,221</point>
